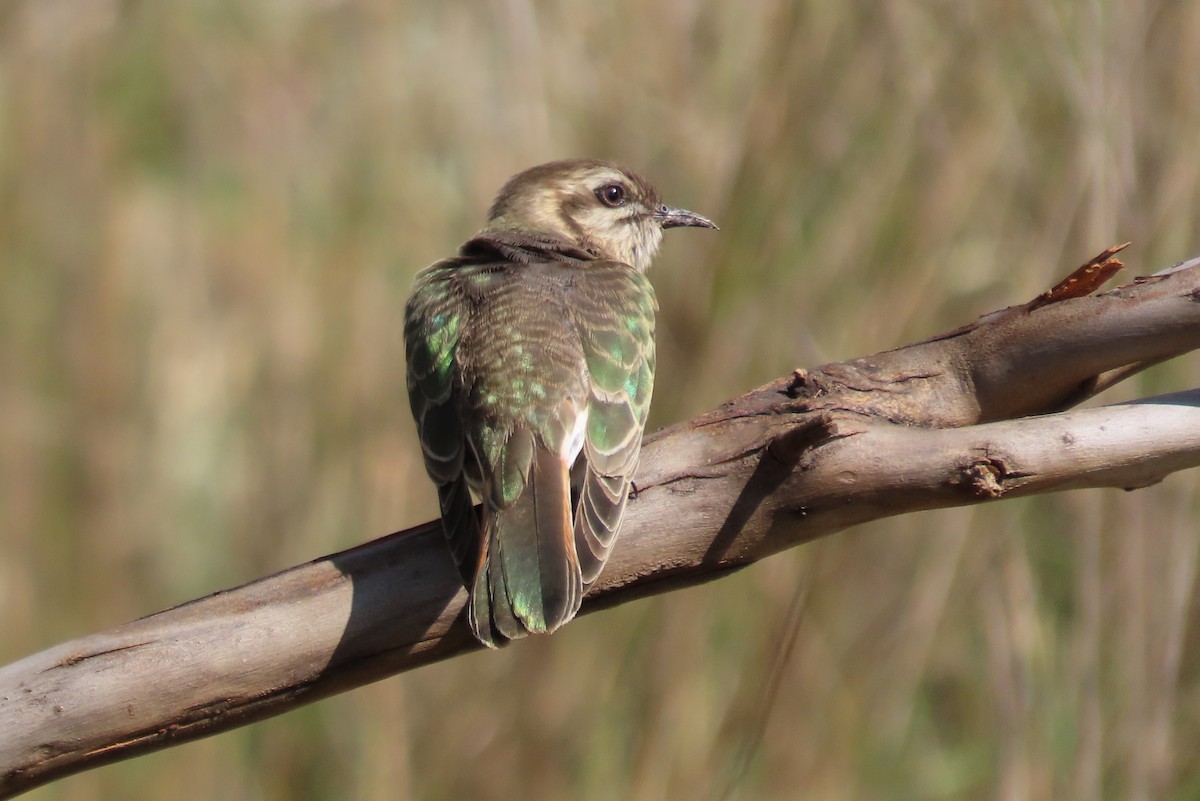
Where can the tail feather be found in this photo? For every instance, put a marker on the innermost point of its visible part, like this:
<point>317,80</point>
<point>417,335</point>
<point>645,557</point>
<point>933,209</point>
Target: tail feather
<point>528,577</point>
<point>479,610</point>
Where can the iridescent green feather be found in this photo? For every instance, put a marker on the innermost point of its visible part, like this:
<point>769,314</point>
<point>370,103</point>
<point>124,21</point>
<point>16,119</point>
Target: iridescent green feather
<point>432,325</point>
<point>616,320</point>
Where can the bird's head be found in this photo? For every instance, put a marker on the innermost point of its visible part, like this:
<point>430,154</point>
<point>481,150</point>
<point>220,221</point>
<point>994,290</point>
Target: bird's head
<point>598,206</point>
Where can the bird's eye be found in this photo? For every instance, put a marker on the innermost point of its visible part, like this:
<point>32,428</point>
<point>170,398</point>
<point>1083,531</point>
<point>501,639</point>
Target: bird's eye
<point>611,195</point>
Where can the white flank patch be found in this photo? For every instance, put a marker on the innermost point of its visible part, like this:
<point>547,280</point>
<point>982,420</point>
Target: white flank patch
<point>574,443</point>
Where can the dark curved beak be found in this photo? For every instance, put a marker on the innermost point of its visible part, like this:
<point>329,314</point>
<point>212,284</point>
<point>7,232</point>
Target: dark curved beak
<point>681,218</point>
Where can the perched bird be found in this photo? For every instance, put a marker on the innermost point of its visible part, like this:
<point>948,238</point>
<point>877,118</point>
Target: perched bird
<point>530,366</point>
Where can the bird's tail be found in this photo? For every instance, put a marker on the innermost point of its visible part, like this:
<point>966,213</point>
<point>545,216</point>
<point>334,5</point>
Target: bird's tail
<point>528,579</point>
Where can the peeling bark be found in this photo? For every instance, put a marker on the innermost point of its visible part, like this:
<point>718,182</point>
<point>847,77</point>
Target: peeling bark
<point>945,422</point>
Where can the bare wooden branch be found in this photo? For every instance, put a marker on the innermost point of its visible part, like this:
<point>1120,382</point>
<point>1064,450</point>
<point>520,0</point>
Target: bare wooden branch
<point>802,457</point>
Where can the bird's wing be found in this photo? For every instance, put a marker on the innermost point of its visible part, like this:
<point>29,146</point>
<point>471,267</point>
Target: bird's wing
<point>513,370</point>
<point>525,398</point>
<point>433,322</point>
<point>497,381</point>
<point>615,319</point>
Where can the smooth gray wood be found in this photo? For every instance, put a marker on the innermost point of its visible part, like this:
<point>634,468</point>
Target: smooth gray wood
<point>799,458</point>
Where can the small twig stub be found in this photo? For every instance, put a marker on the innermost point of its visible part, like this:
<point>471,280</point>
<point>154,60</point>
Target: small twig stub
<point>1084,281</point>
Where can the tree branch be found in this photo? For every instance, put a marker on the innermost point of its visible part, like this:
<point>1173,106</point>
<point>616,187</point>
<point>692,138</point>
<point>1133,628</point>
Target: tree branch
<point>799,458</point>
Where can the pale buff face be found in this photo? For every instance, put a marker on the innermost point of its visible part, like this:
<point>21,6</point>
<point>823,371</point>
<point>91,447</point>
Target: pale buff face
<point>611,212</point>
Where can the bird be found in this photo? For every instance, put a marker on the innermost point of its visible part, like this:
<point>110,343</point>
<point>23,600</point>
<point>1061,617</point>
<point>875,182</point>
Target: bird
<point>530,366</point>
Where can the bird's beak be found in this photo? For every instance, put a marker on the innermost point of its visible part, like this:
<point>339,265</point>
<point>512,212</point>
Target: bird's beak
<point>679,218</point>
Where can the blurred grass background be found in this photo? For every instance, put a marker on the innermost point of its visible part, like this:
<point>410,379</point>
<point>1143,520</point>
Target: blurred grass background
<point>210,216</point>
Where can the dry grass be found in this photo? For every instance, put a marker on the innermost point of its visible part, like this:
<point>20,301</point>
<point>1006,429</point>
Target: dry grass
<point>210,214</point>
